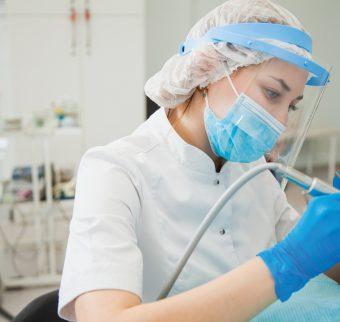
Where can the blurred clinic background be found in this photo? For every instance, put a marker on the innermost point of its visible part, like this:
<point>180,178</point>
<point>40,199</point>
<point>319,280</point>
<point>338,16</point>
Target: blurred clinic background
<point>72,74</point>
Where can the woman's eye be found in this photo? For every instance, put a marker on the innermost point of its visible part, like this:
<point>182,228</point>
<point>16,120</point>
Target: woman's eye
<point>293,107</point>
<point>272,94</point>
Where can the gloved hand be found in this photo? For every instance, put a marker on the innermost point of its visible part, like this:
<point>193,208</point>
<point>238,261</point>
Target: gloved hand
<point>311,248</point>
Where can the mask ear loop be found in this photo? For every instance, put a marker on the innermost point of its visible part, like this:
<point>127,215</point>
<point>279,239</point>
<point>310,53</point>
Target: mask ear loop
<point>205,95</point>
<point>227,71</point>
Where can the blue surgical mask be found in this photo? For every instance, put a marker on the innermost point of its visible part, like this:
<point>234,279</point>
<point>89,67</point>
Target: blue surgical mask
<point>245,134</point>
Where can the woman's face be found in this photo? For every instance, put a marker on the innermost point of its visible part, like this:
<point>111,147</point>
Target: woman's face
<point>276,85</point>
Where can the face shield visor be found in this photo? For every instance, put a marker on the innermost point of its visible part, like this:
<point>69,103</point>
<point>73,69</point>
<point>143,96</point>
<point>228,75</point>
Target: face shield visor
<point>279,88</point>
<point>299,119</point>
<point>287,86</point>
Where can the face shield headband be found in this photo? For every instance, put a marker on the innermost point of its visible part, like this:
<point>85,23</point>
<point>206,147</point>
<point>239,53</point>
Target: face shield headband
<point>249,35</point>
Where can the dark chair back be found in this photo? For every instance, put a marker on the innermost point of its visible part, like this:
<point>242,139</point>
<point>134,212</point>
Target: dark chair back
<point>42,309</point>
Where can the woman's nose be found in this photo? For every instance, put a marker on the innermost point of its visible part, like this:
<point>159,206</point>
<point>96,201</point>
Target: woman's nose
<point>282,117</point>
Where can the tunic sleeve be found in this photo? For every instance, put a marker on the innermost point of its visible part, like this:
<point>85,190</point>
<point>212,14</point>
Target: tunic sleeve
<point>287,216</point>
<point>102,250</point>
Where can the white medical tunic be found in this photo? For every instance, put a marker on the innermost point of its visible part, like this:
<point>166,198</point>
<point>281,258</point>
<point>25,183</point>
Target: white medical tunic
<point>140,199</point>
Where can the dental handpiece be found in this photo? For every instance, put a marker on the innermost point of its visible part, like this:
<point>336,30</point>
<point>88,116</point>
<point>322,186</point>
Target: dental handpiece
<point>313,186</point>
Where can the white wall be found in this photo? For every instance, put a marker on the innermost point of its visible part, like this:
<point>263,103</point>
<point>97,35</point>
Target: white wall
<point>321,18</point>
<point>3,55</point>
<point>41,68</point>
<point>166,24</point>
<point>322,21</point>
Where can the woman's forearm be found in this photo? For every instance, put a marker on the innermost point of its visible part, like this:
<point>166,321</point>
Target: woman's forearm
<point>236,296</point>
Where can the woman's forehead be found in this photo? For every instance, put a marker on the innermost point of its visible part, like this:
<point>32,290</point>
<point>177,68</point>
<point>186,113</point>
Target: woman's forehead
<point>284,69</point>
<point>277,69</point>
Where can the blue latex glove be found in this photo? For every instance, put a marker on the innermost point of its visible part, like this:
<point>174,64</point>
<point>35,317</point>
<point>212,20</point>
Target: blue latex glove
<point>311,248</point>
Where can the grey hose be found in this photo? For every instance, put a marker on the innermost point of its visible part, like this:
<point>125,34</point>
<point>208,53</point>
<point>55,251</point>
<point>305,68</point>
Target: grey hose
<point>310,184</point>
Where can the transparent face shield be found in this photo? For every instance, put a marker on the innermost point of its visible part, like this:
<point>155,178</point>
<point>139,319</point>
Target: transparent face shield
<point>281,89</point>
<point>290,143</point>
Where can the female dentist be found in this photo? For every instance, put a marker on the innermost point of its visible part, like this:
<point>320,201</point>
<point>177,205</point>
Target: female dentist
<point>224,103</point>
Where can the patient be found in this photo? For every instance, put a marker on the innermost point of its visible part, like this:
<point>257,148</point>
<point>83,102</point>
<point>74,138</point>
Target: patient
<point>318,301</point>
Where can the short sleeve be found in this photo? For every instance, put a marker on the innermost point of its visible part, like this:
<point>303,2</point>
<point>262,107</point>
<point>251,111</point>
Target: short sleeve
<point>102,250</point>
<point>287,216</point>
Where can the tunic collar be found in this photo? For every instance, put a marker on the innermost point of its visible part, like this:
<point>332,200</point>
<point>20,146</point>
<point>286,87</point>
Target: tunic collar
<point>187,154</point>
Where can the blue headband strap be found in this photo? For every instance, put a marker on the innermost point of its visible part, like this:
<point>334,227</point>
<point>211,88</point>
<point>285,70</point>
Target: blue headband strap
<point>246,34</point>
<point>262,30</point>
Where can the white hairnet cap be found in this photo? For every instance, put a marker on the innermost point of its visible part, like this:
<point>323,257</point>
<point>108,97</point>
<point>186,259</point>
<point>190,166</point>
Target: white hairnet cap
<point>181,75</point>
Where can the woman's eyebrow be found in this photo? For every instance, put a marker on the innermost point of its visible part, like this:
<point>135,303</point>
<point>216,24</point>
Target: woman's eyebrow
<point>285,86</point>
<point>282,83</point>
